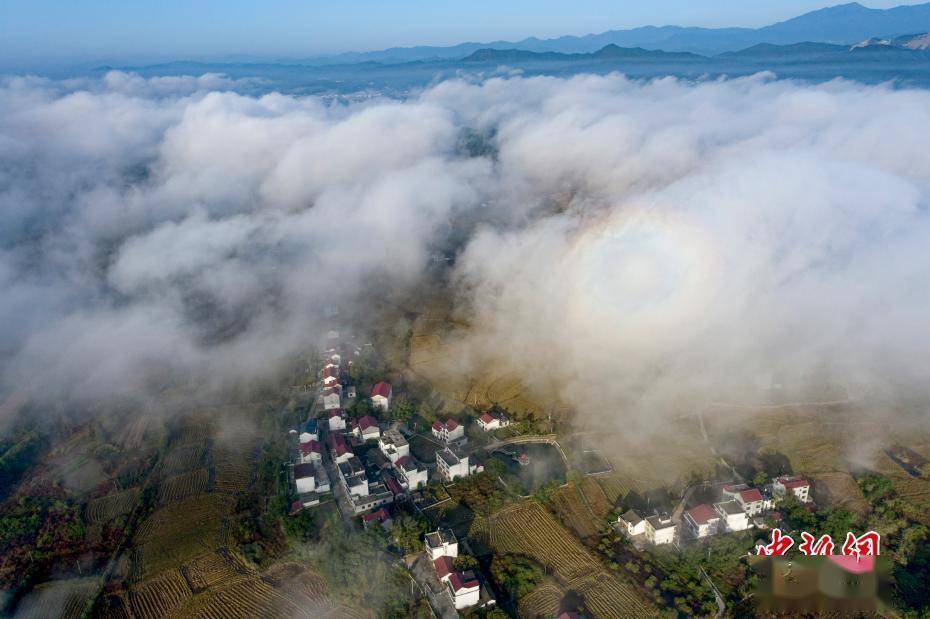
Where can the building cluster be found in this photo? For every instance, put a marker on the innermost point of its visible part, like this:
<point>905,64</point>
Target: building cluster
<point>462,587</point>
<point>741,504</point>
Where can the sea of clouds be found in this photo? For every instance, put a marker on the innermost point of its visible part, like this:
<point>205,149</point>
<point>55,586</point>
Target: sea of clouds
<point>660,243</point>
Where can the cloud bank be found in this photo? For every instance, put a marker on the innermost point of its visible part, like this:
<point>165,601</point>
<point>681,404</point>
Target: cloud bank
<point>662,243</point>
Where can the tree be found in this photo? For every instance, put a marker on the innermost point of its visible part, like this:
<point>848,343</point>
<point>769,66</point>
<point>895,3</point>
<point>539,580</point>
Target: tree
<point>403,409</point>
<point>408,533</point>
<point>516,574</point>
<point>463,563</point>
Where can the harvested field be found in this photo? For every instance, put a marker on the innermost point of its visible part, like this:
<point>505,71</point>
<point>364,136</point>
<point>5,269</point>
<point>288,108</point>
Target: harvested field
<point>527,528</point>
<point>615,488</point>
<point>596,497</point>
<point>543,601</point>
<point>233,469</point>
<point>180,532</point>
<point>839,488</point>
<point>64,599</point>
<point>112,505</point>
<point>212,569</point>
<point>183,458</point>
<point>183,486</point>
<point>159,596</point>
<point>249,597</point>
<point>572,511</point>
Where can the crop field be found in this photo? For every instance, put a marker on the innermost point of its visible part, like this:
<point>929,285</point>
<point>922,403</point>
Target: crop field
<point>110,506</point>
<point>596,497</point>
<point>543,601</point>
<point>211,569</point>
<point>615,487</point>
<point>573,512</point>
<point>528,528</point>
<point>839,488</point>
<point>285,590</point>
<point>159,596</point>
<point>183,458</point>
<point>179,532</point>
<point>182,486</point>
<point>64,599</point>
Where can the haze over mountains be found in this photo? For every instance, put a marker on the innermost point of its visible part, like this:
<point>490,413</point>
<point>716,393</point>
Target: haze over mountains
<point>844,24</point>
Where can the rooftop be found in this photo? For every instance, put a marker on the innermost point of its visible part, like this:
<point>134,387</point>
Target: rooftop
<point>382,389</point>
<point>459,581</point>
<point>436,539</point>
<point>444,566</point>
<point>448,457</point>
<point>703,513</point>
<point>630,516</point>
<point>658,522</point>
<point>730,508</point>
<point>750,495</point>
<point>304,470</point>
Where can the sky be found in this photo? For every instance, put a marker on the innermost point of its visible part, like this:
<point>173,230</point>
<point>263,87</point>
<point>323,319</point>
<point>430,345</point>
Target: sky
<point>90,30</point>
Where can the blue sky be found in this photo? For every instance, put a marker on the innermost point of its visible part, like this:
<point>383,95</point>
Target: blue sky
<point>76,30</point>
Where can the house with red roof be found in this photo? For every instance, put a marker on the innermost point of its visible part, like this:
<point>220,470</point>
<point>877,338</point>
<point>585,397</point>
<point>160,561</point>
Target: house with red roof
<point>381,396</point>
<point>464,589</point>
<point>448,430</point>
<point>492,421</point>
<point>380,516</point>
<point>703,520</point>
<point>444,567</point>
<point>366,428</point>
<point>330,376</point>
<point>338,450</point>
<point>799,486</point>
<point>750,499</point>
<point>310,452</point>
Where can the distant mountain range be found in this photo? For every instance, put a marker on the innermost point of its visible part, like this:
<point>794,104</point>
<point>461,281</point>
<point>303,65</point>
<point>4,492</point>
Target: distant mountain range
<point>845,25</point>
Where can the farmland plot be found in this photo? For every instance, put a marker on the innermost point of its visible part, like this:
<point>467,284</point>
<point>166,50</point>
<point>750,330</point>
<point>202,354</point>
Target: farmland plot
<point>110,506</point>
<point>212,569</point>
<point>572,511</point>
<point>527,528</point>
<point>64,599</point>
<point>159,596</point>
<point>183,486</point>
<point>597,499</point>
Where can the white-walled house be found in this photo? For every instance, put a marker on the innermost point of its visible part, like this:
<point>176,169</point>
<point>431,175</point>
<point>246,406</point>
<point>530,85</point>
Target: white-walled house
<point>310,452</point>
<point>330,376</point>
<point>352,474</point>
<point>798,486</point>
<point>732,515</point>
<point>750,499</point>
<point>441,543</point>
<point>703,520</point>
<point>338,450</point>
<point>451,466</point>
<point>448,430</point>
<point>366,428</point>
<point>337,421</point>
<point>660,529</point>
<point>632,522</point>
<point>464,589</point>
<point>488,421</point>
<point>310,478</point>
<point>411,475</point>
<point>381,396</point>
<point>393,445</point>
<point>332,399</point>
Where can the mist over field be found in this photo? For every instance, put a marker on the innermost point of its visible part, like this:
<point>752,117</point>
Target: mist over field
<point>659,244</point>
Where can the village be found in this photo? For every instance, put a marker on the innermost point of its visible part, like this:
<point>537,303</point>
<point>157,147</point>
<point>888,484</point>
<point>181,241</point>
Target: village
<point>366,466</point>
<point>374,468</point>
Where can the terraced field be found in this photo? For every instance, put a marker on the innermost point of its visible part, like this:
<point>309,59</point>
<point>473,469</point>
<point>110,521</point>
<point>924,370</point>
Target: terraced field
<point>528,528</point>
<point>64,599</point>
<point>112,505</point>
<point>212,569</point>
<point>543,601</point>
<point>572,511</point>
<point>596,497</point>
<point>159,596</point>
<point>179,532</point>
<point>182,486</point>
